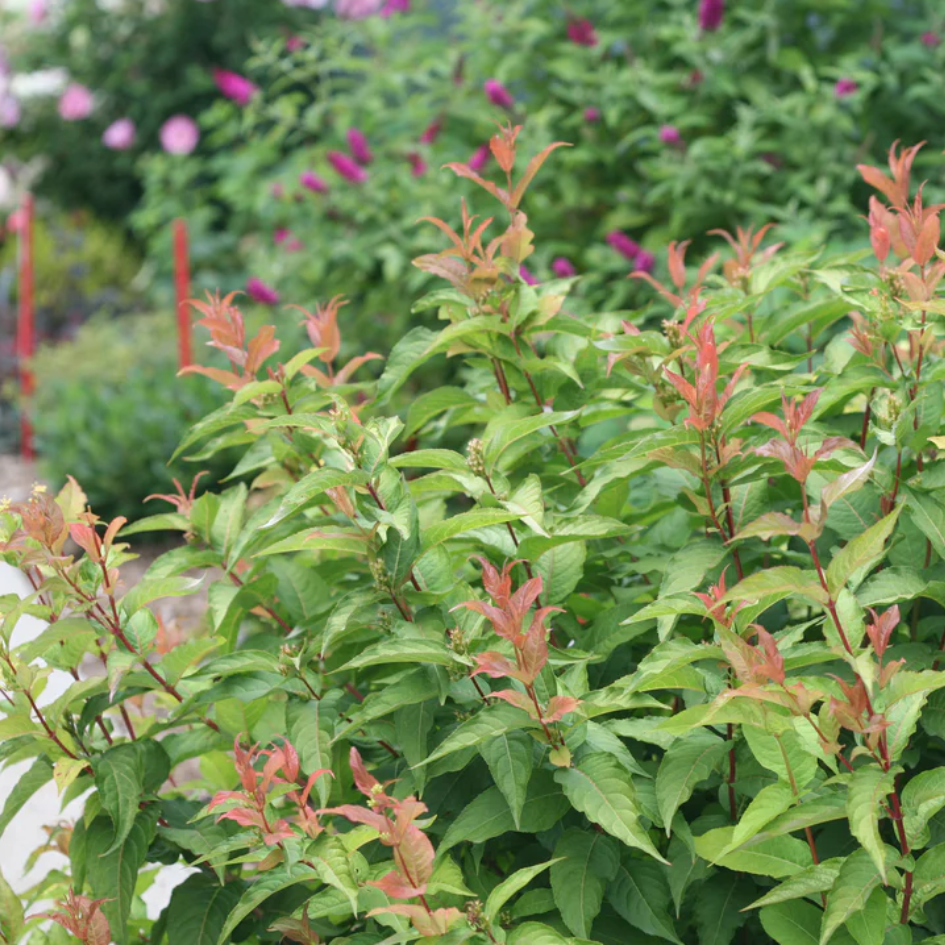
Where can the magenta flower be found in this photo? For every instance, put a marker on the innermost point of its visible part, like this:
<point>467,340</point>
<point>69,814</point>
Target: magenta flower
<point>37,11</point>
<point>395,6</point>
<point>628,248</point>
<point>358,144</point>
<point>563,268</point>
<point>669,134</point>
<point>498,94</point>
<point>10,113</point>
<point>845,87</point>
<point>281,235</point>
<point>418,167</point>
<point>526,275</point>
<point>235,87</point>
<point>432,132</point>
<point>179,135</point>
<point>582,32</point>
<point>710,14</point>
<point>284,237</point>
<point>294,44</point>
<point>931,39</point>
<point>257,290</point>
<point>644,261</point>
<point>479,158</point>
<point>347,167</point>
<point>119,135</point>
<point>75,103</point>
<point>311,181</point>
<point>591,114</point>
<point>356,9</point>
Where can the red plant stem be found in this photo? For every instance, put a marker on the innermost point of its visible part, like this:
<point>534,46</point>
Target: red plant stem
<point>238,581</point>
<point>182,291</point>
<point>730,518</point>
<point>707,485</point>
<point>866,419</point>
<point>413,579</point>
<point>482,695</point>
<point>25,328</point>
<point>503,383</point>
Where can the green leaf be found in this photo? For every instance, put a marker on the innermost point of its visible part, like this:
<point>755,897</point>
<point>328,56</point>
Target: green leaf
<point>718,908</point>
<point>510,886</point>
<point>929,878</point>
<point>402,650</point>
<point>815,879</point>
<point>922,798</point>
<point>310,487</point>
<point>600,787</point>
<point>148,590</point>
<point>260,890</point>
<point>861,551</point>
<point>113,868</point>
<point>535,933</point>
<point>784,754</point>
<point>781,581</point>
<point>40,772</point>
<point>506,433</point>
<point>334,869</point>
<point>869,786</point>
<point>771,801</point>
<point>414,687</point>
<point>688,761</point>
<point>11,913</point>
<point>796,923</point>
<point>119,777</point>
<point>854,885</point>
<point>462,523</point>
<point>777,857</point>
<point>510,760</point>
<point>488,723</point>
<point>310,727</point>
<point>869,926</point>
<point>586,863</point>
<point>640,895</point>
<point>198,910</point>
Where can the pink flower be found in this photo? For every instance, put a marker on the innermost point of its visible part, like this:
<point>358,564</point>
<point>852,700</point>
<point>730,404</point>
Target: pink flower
<point>358,144</point>
<point>710,14</point>
<point>119,135</point>
<point>669,134</point>
<point>9,111</point>
<point>258,290</point>
<point>75,103</point>
<point>563,268</point>
<point>284,236</point>
<point>931,39</point>
<point>277,190</point>
<point>179,135</point>
<point>15,220</point>
<point>845,87</point>
<point>356,9</point>
<point>591,114</point>
<point>582,32</point>
<point>395,6</point>
<point>281,235</point>
<point>645,261</point>
<point>526,275</point>
<point>311,181</point>
<point>37,11</point>
<point>347,167</point>
<point>418,167</point>
<point>293,245</point>
<point>235,87</point>
<point>498,94</point>
<point>627,247</point>
<point>294,44</point>
<point>479,158</point>
<point>432,131</point>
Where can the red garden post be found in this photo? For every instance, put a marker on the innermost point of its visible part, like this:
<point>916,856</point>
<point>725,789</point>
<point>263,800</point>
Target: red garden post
<point>182,292</point>
<point>25,330</point>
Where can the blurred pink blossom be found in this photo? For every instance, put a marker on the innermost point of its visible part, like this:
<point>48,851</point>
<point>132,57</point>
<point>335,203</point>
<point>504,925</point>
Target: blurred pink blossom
<point>669,134</point>
<point>234,86</point>
<point>311,181</point>
<point>592,114</point>
<point>358,143</point>
<point>277,190</point>
<point>563,268</point>
<point>258,290</point>
<point>179,135</point>
<point>479,158</point>
<point>931,39</point>
<point>498,94</point>
<point>711,13</point>
<point>432,131</point>
<point>9,111</point>
<point>582,32</point>
<point>627,247</point>
<point>37,11</point>
<point>347,167</point>
<point>395,6</point>
<point>526,275</point>
<point>845,87</point>
<point>418,167</point>
<point>281,235</point>
<point>644,261</point>
<point>119,135</point>
<point>357,9</point>
<point>294,43</point>
<point>75,103</point>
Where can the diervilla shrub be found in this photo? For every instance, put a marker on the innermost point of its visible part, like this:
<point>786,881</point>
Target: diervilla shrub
<point>633,635</point>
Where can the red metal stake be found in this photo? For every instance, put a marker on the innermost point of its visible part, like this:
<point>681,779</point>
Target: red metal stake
<point>25,331</point>
<point>182,290</point>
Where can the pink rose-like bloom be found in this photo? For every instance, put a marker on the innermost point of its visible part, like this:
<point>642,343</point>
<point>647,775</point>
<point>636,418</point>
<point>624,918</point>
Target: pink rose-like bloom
<point>311,181</point>
<point>9,111</point>
<point>710,14</point>
<point>347,167</point>
<point>645,261</point>
<point>669,134</point>
<point>582,32</point>
<point>179,135</point>
<point>235,87</point>
<point>931,39</point>
<point>356,9</point>
<point>845,87</point>
<point>526,275</point>
<point>479,158</point>
<point>418,167</point>
<point>358,144</point>
<point>258,290</point>
<point>432,131</point>
<point>591,114</point>
<point>395,6</point>
<point>627,247</point>
<point>294,43</point>
<point>563,268</point>
<point>75,103</point>
<point>119,135</point>
<point>498,94</point>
